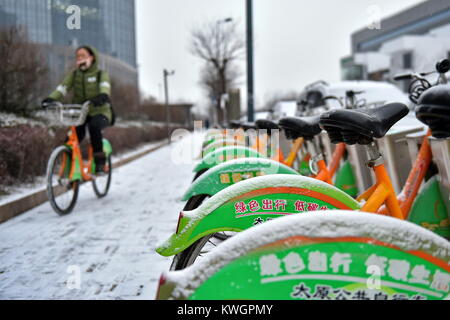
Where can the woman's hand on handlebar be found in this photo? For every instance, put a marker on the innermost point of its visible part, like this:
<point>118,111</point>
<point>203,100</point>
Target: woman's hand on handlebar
<point>47,102</point>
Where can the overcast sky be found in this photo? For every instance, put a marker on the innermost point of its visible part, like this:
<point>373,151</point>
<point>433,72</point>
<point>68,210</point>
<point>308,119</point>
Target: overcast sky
<point>296,41</point>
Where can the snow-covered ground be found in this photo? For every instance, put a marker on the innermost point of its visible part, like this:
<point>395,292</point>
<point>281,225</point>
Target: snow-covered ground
<point>110,242</point>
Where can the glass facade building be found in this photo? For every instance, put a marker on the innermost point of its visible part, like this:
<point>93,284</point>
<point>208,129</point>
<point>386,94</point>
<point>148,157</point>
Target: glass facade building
<point>35,16</point>
<point>109,25</point>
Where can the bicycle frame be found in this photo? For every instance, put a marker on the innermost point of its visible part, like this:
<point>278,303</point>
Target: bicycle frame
<point>79,170</point>
<point>326,173</point>
<point>382,192</point>
<point>415,178</point>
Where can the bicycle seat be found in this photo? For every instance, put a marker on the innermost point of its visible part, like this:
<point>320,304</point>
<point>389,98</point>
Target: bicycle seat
<point>248,126</point>
<point>266,125</point>
<point>434,110</point>
<point>363,125</point>
<point>304,127</point>
<point>235,124</point>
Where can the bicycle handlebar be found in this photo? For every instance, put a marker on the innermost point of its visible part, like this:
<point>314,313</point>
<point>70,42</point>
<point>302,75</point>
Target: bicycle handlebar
<point>69,114</point>
<point>350,93</point>
<point>442,67</point>
<point>405,76</point>
<point>59,105</point>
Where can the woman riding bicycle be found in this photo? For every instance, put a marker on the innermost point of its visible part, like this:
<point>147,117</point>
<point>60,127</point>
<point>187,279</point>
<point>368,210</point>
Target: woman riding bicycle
<point>89,83</point>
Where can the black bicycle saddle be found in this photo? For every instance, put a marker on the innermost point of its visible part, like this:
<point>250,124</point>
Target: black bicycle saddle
<point>248,126</point>
<point>433,109</point>
<point>234,124</point>
<point>266,125</point>
<point>363,125</point>
<point>301,127</point>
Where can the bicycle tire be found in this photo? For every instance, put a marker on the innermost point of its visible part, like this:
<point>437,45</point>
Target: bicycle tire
<point>187,257</point>
<point>97,190</point>
<point>74,185</point>
<point>199,174</point>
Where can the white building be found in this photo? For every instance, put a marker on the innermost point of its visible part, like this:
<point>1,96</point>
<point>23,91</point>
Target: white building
<point>408,53</point>
<point>412,40</point>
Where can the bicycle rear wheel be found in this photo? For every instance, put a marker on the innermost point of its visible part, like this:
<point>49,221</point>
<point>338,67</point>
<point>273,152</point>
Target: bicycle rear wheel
<point>62,193</point>
<point>101,184</point>
<point>201,247</point>
<point>199,174</point>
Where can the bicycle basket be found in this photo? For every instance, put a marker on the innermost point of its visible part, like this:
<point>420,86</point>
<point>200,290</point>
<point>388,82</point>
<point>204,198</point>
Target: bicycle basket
<point>70,114</point>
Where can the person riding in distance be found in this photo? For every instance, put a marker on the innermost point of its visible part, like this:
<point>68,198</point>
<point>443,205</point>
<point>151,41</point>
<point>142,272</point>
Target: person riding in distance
<point>89,83</point>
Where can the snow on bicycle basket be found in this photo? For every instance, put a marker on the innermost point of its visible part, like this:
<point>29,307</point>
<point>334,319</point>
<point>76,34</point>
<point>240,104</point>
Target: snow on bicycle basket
<point>69,114</point>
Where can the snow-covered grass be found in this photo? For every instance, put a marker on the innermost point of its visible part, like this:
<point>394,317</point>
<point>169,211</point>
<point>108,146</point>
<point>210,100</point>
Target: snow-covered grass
<point>26,145</point>
<point>12,193</point>
<point>15,192</point>
<point>11,120</point>
<point>49,119</point>
<point>110,241</point>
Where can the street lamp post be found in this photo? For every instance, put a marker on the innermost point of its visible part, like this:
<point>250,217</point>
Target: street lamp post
<point>166,90</point>
<point>250,83</point>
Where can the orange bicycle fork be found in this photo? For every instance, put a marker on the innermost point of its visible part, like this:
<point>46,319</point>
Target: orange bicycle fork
<point>78,167</point>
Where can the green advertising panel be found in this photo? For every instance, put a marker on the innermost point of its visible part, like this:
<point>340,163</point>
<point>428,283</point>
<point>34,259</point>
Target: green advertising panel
<point>429,210</point>
<point>234,171</point>
<point>300,268</point>
<point>226,154</point>
<point>221,144</point>
<point>253,202</point>
<point>212,139</point>
<point>267,204</point>
<point>346,181</point>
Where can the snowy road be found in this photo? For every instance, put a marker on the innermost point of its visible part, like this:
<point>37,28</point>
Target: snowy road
<point>110,241</point>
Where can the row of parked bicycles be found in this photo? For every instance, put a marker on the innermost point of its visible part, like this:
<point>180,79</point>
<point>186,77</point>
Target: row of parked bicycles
<point>259,224</point>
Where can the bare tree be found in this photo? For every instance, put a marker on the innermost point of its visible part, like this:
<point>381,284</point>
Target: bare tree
<point>23,74</point>
<point>125,99</point>
<point>219,45</point>
<point>213,83</point>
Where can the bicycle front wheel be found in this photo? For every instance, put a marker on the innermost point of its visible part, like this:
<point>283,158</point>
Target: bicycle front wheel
<point>101,184</point>
<point>62,192</point>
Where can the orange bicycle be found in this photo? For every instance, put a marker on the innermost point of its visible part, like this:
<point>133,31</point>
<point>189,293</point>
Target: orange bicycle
<point>66,169</point>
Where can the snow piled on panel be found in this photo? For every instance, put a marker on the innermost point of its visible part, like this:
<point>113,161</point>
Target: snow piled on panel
<point>327,224</point>
<point>238,189</point>
<point>271,181</point>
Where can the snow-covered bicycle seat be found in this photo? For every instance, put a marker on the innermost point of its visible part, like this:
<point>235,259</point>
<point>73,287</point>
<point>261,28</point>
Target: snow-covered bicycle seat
<point>363,125</point>
<point>434,110</point>
<point>301,127</point>
<point>266,125</point>
<point>235,124</point>
<point>249,126</point>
